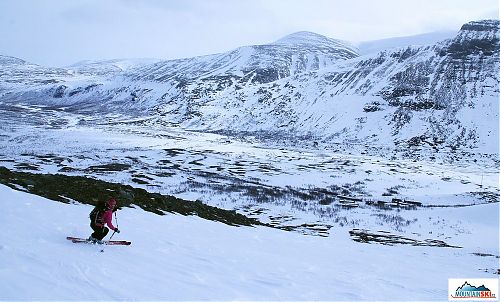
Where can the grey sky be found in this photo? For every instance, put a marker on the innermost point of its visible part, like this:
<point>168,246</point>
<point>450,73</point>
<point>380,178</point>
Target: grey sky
<point>62,32</point>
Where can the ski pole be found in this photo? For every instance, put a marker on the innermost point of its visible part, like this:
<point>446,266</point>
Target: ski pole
<point>116,222</point>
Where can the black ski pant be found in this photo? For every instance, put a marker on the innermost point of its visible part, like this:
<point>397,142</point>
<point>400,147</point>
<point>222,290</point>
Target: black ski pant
<point>99,231</point>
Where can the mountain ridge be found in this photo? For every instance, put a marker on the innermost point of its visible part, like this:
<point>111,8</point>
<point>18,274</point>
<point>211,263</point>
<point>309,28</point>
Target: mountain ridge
<point>421,97</point>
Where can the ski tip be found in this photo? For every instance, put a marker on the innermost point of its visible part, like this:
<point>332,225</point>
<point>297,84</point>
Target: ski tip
<point>118,243</point>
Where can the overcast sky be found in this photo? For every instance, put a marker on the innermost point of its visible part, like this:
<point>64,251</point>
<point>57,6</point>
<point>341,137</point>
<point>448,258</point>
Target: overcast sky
<point>62,32</point>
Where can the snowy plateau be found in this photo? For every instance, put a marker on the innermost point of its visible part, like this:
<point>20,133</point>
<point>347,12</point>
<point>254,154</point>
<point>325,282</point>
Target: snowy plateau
<point>305,169</point>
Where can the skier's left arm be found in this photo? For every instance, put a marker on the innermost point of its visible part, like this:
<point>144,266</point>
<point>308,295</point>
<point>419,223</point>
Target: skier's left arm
<point>109,221</point>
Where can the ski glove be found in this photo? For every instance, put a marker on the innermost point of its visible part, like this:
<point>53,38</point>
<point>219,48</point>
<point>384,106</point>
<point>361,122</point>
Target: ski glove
<point>117,230</point>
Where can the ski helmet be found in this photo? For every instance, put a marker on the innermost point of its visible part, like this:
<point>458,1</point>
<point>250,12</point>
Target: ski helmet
<point>111,203</point>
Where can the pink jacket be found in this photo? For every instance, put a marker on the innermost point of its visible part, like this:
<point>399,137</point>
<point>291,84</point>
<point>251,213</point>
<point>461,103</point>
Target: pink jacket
<point>107,218</point>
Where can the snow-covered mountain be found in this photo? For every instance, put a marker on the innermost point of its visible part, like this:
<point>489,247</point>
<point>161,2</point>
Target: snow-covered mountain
<point>17,75</point>
<point>108,67</point>
<point>439,96</point>
<point>293,54</point>
<point>376,46</point>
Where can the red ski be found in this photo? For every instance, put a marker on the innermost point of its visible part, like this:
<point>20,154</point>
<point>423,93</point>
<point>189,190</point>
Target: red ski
<point>106,242</point>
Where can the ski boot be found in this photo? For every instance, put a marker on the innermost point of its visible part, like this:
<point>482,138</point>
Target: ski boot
<point>94,240</point>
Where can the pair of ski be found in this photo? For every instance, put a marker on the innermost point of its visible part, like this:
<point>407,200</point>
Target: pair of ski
<point>105,242</point>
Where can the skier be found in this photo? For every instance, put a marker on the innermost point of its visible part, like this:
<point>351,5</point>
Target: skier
<point>99,217</point>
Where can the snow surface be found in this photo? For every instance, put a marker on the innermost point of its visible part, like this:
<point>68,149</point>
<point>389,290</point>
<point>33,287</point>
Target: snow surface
<point>122,64</point>
<point>375,46</point>
<point>175,257</point>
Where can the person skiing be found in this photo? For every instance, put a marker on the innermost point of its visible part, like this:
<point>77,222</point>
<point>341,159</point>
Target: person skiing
<point>100,216</point>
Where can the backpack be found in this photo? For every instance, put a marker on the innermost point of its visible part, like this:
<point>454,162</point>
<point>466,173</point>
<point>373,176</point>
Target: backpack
<point>97,213</point>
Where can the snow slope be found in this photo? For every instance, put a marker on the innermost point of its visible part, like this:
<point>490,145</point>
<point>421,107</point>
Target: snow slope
<point>186,258</point>
<point>375,46</point>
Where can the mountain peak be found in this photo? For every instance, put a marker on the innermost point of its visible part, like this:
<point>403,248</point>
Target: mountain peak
<point>477,37</point>
<point>303,37</point>
<point>483,25</point>
<point>8,60</point>
<point>307,38</point>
